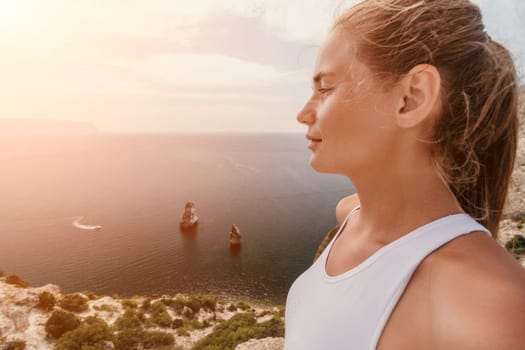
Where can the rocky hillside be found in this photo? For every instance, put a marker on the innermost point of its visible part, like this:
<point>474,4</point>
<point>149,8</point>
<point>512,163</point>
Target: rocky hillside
<point>514,213</point>
<point>44,318</point>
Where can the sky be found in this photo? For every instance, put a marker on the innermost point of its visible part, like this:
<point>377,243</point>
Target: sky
<point>178,65</point>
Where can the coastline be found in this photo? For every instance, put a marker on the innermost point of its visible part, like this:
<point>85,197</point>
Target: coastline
<point>23,319</point>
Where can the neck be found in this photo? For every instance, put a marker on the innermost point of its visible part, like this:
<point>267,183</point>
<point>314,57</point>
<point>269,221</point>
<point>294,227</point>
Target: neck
<point>394,203</point>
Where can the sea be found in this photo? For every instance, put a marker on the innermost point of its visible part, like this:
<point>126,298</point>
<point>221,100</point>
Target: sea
<point>135,187</point>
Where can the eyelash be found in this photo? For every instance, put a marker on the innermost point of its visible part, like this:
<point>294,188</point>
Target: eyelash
<point>322,91</point>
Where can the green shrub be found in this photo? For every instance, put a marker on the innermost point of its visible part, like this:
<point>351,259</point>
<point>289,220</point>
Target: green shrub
<point>195,303</point>
<point>160,315</point>
<point>177,323</point>
<point>148,323</point>
<point>231,308</point>
<point>183,332</point>
<point>516,245</point>
<point>230,333</point>
<point>93,332</point>
<point>129,303</point>
<point>242,305</point>
<point>195,324</point>
<point>105,307</point>
<point>161,319</point>
<point>209,302</point>
<point>178,304</point>
<point>90,295</point>
<point>166,301</point>
<point>16,281</point>
<point>128,339</point>
<point>74,303</point>
<point>15,345</point>
<point>157,307</point>
<point>188,313</point>
<point>274,327</point>
<point>155,339</point>
<point>519,217</point>
<point>263,313</point>
<point>238,329</point>
<point>61,322</point>
<point>141,315</point>
<point>137,339</point>
<point>519,226</point>
<point>46,301</point>
<point>146,304</point>
<point>129,320</point>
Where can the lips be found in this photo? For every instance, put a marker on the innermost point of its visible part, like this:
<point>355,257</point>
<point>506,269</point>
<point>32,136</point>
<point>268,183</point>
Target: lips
<point>314,139</point>
<point>314,142</point>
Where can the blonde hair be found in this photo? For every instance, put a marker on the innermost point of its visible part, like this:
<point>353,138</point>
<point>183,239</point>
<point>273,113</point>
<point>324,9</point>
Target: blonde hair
<point>474,139</point>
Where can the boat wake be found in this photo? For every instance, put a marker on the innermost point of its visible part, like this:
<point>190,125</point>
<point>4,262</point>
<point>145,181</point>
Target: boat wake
<point>77,224</point>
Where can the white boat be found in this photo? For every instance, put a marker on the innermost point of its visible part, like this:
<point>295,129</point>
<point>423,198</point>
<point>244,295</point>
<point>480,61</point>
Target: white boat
<point>77,224</point>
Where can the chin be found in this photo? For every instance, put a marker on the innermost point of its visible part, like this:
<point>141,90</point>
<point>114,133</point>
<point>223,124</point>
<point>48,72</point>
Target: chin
<point>322,168</point>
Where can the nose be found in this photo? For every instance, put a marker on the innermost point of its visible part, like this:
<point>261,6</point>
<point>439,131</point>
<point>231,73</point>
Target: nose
<point>307,114</point>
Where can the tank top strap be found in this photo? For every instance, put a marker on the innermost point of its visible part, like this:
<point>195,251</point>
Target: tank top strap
<point>341,228</point>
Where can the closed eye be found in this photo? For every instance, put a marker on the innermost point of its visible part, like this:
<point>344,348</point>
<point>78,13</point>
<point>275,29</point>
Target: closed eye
<point>324,91</point>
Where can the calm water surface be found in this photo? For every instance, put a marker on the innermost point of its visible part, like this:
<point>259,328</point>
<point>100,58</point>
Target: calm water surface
<point>136,186</point>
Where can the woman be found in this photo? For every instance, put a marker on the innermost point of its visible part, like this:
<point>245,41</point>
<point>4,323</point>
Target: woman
<point>417,106</point>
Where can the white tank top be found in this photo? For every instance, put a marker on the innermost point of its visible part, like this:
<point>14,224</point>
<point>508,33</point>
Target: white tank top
<point>350,310</point>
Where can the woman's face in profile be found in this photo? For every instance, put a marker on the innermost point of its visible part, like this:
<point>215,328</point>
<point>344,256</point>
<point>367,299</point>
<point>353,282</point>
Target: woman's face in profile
<point>347,114</point>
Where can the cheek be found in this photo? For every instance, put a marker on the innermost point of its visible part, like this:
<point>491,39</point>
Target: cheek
<point>355,131</point>
<point>341,120</point>
<point>334,115</point>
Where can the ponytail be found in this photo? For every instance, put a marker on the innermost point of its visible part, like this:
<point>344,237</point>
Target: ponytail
<point>478,164</point>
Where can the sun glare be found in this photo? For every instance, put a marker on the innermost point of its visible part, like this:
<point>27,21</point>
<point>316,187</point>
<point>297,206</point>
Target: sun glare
<point>12,12</point>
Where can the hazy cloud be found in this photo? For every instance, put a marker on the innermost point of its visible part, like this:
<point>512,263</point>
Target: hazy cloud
<point>178,65</point>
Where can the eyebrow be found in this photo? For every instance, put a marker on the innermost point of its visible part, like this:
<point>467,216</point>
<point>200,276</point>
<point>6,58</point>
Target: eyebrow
<point>320,75</point>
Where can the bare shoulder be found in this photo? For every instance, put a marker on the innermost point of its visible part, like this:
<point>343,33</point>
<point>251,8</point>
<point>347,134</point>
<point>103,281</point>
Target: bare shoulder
<point>344,206</point>
<point>477,294</point>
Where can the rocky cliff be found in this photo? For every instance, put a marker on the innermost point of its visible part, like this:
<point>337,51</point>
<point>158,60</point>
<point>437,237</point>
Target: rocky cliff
<point>515,206</point>
<point>23,320</point>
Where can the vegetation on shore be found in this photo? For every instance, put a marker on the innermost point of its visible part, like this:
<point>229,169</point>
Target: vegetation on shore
<point>516,245</point>
<point>85,321</point>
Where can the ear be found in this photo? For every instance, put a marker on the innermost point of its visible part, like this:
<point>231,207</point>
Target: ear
<point>419,95</point>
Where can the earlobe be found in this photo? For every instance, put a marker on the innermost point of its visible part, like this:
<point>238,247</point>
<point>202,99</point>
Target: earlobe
<point>420,90</point>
